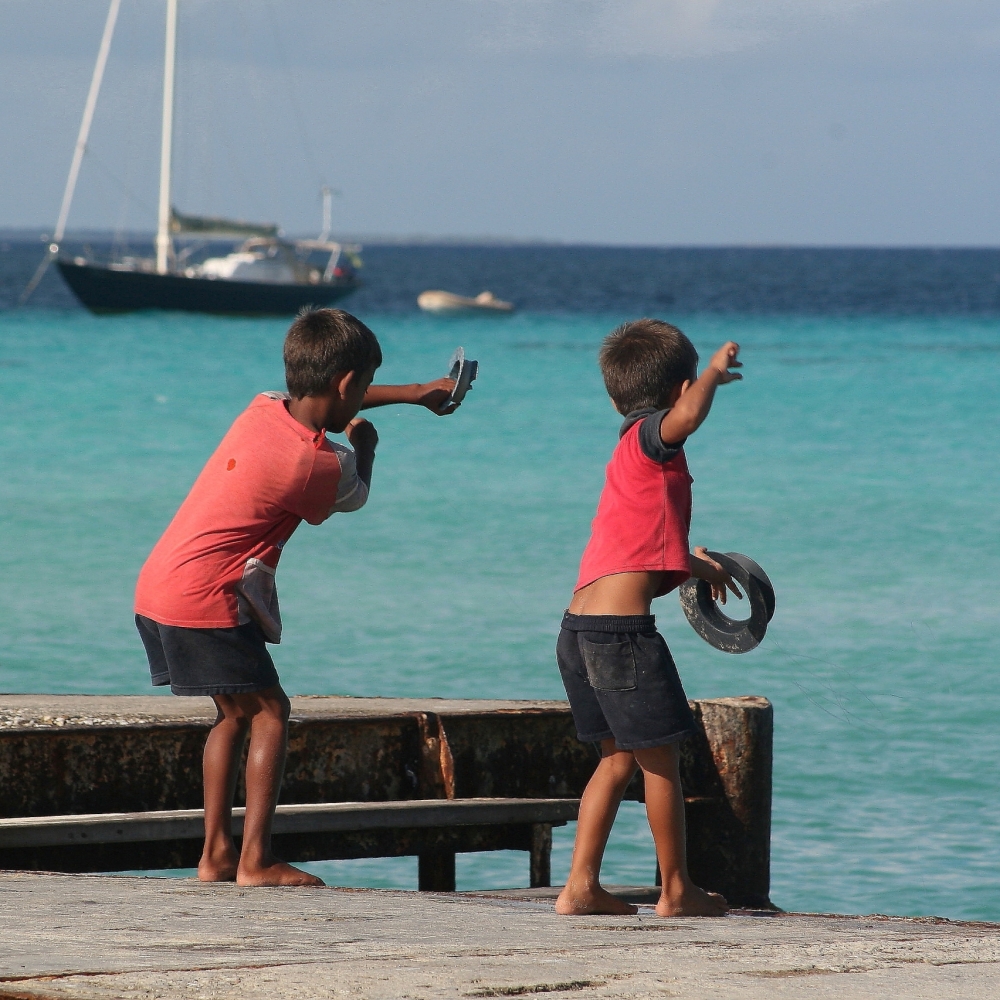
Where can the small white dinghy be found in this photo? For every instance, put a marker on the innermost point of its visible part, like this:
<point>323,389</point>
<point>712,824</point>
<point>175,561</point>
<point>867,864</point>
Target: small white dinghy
<point>447,303</point>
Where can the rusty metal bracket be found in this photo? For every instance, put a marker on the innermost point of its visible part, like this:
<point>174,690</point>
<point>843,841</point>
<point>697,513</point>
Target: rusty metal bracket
<point>438,765</point>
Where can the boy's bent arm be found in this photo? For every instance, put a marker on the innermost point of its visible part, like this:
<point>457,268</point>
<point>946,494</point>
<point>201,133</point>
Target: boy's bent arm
<point>695,400</point>
<point>364,440</point>
<point>429,394</point>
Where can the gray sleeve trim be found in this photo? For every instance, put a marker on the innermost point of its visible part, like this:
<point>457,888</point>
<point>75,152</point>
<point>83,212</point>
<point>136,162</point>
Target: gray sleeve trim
<point>650,441</point>
<point>352,491</point>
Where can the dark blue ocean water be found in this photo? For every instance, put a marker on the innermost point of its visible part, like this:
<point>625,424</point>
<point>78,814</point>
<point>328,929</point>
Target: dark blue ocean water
<point>630,280</point>
<point>856,462</point>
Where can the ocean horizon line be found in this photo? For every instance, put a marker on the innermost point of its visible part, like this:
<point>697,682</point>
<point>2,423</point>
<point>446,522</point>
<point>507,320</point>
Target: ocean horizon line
<point>41,234</point>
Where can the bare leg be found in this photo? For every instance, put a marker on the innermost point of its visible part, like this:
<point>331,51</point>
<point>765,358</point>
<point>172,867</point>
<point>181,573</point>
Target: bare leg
<point>223,749</point>
<point>265,765</point>
<point>598,808</point>
<point>680,897</point>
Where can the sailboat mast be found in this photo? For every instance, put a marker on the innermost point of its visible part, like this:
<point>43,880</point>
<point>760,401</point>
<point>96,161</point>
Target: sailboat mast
<point>81,147</point>
<point>166,136</point>
<point>327,215</point>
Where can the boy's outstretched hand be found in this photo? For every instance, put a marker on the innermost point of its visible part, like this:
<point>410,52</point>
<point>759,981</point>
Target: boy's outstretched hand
<point>690,402</point>
<point>724,359</point>
<point>704,567</point>
<point>434,394</point>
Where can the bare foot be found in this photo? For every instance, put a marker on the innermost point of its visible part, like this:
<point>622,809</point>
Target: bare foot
<point>219,867</point>
<point>692,902</point>
<point>275,872</point>
<point>576,901</point>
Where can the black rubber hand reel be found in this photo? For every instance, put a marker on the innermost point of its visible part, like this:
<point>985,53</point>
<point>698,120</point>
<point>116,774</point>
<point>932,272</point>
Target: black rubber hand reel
<point>709,620</point>
<point>464,372</point>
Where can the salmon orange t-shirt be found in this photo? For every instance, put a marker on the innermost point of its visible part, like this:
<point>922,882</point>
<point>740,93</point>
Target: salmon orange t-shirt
<point>214,566</point>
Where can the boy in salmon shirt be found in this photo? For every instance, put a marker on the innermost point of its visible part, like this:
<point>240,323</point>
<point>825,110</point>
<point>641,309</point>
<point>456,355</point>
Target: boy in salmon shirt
<point>622,684</point>
<point>206,602</point>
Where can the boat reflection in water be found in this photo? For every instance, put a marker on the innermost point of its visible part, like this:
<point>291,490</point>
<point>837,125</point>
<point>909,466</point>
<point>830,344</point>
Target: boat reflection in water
<point>264,274</point>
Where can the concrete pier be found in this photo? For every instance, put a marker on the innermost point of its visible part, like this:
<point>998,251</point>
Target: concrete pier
<point>100,937</point>
<point>74,754</point>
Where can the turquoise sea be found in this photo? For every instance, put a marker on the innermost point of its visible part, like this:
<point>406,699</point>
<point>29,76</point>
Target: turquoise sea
<point>857,463</point>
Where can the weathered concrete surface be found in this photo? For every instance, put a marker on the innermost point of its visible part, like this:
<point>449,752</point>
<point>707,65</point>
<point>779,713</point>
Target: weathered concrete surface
<point>64,754</point>
<point>93,938</point>
<point>46,710</point>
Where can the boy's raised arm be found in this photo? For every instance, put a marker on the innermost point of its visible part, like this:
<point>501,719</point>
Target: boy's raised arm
<point>695,400</point>
<point>429,394</point>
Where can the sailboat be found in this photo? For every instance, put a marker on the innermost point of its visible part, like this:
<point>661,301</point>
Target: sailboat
<point>263,274</point>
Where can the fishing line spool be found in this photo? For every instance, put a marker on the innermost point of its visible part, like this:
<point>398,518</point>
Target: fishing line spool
<point>709,620</point>
<point>464,373</point>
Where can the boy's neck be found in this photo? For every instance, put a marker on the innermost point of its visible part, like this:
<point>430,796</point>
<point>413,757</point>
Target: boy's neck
<point>310,411</point>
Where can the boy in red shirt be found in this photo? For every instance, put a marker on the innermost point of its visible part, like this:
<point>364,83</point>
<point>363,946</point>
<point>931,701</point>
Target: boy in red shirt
<point>206,601</point>
<point>621,681</point>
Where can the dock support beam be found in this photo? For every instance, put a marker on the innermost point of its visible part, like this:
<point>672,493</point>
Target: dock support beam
<point>436,871</point>
<point>541,855</point>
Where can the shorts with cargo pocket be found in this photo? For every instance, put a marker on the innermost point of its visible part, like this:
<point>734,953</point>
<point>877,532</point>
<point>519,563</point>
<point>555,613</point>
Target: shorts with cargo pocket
<point>200,661</point>
<point>621,681</point>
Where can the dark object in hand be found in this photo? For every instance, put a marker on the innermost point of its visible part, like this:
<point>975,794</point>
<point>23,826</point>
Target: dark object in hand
<point>709,620</point>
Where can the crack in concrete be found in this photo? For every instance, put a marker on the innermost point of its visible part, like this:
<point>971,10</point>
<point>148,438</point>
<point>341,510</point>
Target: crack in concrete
<point>153,970</point>
<point>518,991</point>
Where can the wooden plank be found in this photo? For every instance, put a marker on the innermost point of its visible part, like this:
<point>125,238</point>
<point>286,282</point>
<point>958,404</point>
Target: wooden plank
<point>318,817</point>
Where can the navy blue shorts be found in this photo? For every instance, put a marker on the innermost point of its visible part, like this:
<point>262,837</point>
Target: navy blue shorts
<point>199,661</point>
<point>621,681</point>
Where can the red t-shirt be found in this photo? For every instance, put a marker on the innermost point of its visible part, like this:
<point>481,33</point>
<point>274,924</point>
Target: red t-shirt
<point>644,514</point>
<point>214,566</point>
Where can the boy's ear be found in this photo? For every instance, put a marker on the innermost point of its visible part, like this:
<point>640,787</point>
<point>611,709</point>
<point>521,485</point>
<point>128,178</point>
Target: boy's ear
<point>678,391</point>
<point>342,382</point>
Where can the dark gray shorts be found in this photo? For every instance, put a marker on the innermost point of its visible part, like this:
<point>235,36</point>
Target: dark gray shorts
<point>621,681</point>
<point>199,661</point>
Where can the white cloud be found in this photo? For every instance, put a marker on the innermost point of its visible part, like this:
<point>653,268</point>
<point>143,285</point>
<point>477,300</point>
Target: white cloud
<point>696,28</point>
<point>677,28</point>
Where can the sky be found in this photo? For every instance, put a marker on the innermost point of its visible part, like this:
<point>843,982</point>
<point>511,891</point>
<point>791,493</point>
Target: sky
<point>651,122</point>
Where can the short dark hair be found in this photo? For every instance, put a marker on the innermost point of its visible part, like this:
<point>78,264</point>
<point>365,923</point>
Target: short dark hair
<point>322,342</point>
<point>643,360</point>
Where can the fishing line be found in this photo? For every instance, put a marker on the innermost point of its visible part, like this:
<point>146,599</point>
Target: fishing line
<point>847,716</point>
